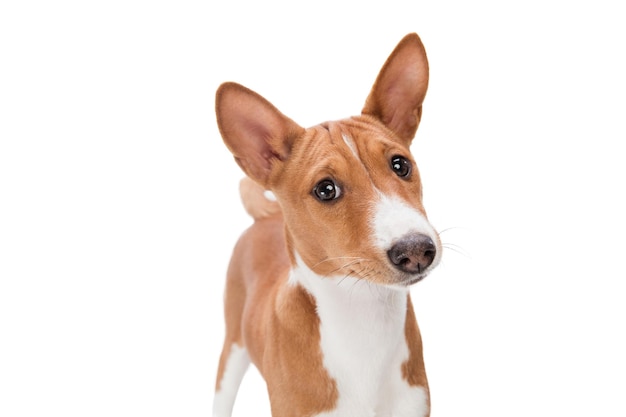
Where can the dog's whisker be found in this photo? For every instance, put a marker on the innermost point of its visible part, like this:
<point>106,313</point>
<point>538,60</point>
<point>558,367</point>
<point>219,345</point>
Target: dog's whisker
<point>348,265</point>
<point>457,248</point>
<point>353,273</point>
<point>348,275</point>
<point>447,229</point>
<point>335,258</point>
<point>355,261</point>
<point>356,282</point>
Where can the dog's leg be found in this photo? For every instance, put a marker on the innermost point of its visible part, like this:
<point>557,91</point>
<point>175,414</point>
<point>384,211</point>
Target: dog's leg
<point>234,362</point>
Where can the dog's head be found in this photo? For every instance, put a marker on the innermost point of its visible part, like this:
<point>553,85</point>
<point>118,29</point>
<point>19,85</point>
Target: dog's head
<point>350,190</point>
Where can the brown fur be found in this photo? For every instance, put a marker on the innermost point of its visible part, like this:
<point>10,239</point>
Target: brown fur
<point>280,326</point>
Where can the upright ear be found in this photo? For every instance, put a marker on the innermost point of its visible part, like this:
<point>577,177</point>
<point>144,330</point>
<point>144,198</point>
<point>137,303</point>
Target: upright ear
<point>397,95</point>
<point>253,129</point>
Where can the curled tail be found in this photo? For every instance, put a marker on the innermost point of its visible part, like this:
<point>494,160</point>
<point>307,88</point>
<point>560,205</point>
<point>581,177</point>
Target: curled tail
<point>257,202</point>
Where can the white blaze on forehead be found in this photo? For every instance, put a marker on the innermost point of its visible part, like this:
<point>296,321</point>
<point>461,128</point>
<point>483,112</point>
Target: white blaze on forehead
<point>348,140</point>
<point>393,219</point>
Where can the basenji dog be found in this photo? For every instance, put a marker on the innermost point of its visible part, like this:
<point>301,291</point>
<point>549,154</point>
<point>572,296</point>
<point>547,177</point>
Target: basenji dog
<point>317,291</point>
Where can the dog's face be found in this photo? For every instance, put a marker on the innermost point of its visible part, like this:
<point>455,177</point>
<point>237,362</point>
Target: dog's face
<point>350,190</point>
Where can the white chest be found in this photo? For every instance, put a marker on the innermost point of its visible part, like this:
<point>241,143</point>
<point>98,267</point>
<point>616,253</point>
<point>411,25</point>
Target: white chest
<point>362,329</point>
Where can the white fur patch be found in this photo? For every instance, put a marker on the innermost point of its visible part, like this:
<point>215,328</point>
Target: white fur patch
<point>348,140</point>
<point>236,366</point>
<point>393,219</point>
<point>364,345</point>
<point>269,195</point>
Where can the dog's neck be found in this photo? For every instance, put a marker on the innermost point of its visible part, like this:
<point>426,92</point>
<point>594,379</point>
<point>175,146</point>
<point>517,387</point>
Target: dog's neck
<point>362,336</point>
<point>354,311</point>
<point>342,289</point>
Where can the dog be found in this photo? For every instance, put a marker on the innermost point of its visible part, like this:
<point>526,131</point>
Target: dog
<point>317,291</point>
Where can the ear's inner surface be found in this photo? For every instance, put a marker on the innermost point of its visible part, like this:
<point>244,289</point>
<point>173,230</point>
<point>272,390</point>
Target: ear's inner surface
<point>253,129</point>
<point>397,95</point>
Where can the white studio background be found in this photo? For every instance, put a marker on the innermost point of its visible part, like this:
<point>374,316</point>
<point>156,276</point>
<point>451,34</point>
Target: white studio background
<point>119,203</point>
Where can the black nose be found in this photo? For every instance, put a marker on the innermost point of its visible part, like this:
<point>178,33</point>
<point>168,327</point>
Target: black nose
<point>413,253</point>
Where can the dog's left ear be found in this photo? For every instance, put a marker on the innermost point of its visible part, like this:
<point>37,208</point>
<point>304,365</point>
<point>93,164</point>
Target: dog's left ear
<point>397,95</point>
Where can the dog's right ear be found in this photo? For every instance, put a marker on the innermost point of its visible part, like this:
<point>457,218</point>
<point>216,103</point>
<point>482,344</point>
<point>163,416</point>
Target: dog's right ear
<point>255,131</point>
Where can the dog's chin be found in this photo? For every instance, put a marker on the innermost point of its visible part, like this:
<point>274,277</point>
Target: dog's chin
<point>404,281</point>
<point>415,279</point>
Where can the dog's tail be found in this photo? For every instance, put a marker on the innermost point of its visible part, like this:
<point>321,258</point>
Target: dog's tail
<point>258,202</point>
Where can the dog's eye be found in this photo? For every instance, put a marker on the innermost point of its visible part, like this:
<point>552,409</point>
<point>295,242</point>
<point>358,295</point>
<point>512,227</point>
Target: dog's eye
<point>326,190</point>
<point>401,166</point>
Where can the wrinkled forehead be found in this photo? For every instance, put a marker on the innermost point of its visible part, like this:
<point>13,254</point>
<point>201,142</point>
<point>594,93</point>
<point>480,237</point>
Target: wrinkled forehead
<point>357,139</point>
<point>361,133</point>
<point>354,151</point>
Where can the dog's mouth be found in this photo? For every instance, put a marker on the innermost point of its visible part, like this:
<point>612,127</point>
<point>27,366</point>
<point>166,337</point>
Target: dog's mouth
<point>415,280</point>
<point>404,281</point>
<point>408,280</point>
<point>385,274</point>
